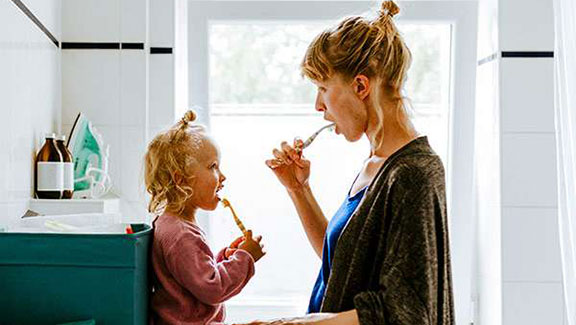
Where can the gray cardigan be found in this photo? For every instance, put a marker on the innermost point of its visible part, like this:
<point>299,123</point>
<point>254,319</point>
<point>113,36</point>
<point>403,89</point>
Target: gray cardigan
<point>392,261</point>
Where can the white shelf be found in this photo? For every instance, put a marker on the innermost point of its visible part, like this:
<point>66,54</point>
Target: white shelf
<point>107,204</point>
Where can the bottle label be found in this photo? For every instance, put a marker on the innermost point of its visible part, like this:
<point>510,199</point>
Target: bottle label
<point>50,176</point>
<point>68,176</point>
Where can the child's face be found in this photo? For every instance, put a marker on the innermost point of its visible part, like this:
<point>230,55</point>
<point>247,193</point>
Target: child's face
<point>208,180</point>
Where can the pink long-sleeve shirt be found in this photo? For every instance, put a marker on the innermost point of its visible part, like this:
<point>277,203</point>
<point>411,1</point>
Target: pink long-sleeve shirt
<point>190,284</point>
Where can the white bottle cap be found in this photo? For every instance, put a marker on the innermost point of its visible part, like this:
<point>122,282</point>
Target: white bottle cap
<point>61,137</point>
<point>50,135</point>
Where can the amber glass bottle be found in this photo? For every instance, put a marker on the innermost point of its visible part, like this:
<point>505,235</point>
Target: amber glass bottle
<point>48,172</point>
<point>68,167</point>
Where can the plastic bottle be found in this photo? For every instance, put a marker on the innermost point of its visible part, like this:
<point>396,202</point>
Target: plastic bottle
<point>68,167</point>
<point>49,170</point>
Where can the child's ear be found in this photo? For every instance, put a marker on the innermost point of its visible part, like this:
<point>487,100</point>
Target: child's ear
<point>177,177</point>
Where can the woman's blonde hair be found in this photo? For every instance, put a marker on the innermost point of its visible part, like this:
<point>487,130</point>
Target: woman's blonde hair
<point>373,48</point>
<point>172,152</point>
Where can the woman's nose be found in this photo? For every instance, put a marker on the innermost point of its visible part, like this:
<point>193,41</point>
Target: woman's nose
<point>319,105</point>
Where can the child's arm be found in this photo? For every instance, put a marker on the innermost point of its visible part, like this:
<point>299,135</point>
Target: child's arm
<point>194,267</point>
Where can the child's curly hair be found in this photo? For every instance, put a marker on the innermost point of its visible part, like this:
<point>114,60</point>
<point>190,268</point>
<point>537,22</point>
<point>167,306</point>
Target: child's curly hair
<point>172,152</point>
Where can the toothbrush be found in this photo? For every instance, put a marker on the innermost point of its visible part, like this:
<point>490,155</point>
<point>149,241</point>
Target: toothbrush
<point>314,135</point>
<point>239,223</point>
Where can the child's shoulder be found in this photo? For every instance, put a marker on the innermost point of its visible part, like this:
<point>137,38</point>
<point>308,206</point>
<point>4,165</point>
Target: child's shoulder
<point>169,229</point>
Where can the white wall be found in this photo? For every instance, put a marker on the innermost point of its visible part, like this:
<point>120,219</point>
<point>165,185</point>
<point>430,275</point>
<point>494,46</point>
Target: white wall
<point>128,94</point>
<point>518,248</point>
<point>30,97</point>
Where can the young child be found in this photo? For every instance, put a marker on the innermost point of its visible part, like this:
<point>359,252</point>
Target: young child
<point>182,175</point>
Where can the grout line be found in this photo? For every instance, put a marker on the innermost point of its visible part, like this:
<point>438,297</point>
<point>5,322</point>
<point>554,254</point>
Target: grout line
<point>36,21</point>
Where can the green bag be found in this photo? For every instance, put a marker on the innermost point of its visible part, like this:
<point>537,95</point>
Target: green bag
<point>48,278</point>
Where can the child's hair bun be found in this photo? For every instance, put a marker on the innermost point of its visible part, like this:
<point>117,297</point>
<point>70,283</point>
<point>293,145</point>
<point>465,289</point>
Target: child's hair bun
<point>189,116</point>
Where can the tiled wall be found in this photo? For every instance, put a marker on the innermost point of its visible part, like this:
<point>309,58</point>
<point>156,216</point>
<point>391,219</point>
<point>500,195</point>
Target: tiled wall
<point>29,97</point>
<point>526,269</point>
<point>127,93</point>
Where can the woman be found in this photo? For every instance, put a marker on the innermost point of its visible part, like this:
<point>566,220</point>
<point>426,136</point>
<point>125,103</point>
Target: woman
<point>385,253</point>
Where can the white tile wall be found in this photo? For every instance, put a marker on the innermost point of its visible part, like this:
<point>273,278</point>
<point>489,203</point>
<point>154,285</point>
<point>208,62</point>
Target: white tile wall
<point>133,16</point>
<point>30,94</point>
<point>133,95</point>
<point>117,88</point>
<point>162,90</point>
<point>162,23</point>
<point>91,20</point>
<point>530,249</point>
<point>529,170</point>
<point>48,12</point>
<point>527,87</point>
<point>91,84</point>
<point>526,25</point>
<point>530,303</point>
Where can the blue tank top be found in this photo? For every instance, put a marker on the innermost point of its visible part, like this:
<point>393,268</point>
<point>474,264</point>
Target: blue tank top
<point>333,231</point>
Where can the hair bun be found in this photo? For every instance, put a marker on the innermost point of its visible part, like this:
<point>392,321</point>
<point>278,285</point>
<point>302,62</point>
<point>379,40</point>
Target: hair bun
<point>389,8</point>
<point>189,116</point>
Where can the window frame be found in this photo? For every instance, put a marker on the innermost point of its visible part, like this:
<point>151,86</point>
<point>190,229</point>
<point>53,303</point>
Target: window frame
<point>462,15</point>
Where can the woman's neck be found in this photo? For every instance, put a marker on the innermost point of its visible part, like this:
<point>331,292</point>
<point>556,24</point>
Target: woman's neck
<point>392,136</point>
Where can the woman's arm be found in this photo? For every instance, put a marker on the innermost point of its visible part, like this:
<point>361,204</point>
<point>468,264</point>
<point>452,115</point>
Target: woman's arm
<point>311,216</point>
<point>293,171</point>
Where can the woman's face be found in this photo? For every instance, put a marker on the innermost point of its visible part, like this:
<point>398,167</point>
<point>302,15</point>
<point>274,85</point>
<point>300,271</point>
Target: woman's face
<point>208,179</point>
<point>343,103</point>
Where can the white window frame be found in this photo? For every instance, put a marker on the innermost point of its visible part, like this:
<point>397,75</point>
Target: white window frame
<point>462,15</point>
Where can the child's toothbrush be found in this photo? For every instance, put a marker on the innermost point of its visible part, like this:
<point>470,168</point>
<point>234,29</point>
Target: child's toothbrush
<point>239,223</point>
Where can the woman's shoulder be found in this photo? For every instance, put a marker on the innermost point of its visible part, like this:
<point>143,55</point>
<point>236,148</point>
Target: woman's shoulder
<point>417,164</point>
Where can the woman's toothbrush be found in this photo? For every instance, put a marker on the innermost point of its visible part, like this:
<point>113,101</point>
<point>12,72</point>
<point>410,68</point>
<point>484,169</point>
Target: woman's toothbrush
<point>314,135</point>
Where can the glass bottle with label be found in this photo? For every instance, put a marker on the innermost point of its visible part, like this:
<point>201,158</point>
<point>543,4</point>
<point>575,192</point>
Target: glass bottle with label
<point>49,170</point>
<point>68,167</point>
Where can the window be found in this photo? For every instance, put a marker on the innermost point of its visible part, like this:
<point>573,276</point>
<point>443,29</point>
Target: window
<point>256,98</point>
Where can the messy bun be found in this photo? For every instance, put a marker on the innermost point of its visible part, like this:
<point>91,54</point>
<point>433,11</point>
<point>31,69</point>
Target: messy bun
<point>389,9</point>
<point>371,47</point>
<point>170,152</point>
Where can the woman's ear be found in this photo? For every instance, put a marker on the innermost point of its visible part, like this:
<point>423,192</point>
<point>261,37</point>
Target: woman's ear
<point>361,86</point>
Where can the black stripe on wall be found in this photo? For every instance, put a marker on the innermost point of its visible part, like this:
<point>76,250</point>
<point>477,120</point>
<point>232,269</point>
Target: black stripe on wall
<point>527,54</point>
<point>516,54</point>
<point>160,50</point>
<point>132,46</point>
<point>90,46</point>
<point>35,20</point>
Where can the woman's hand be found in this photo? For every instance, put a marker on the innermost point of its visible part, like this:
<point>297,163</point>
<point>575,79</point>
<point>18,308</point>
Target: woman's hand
<point>253,246</point>
<point>316,319</point>
<point>291,168</point>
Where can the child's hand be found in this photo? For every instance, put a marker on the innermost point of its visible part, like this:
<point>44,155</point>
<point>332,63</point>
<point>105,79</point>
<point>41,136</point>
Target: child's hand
<point>233,247</point>
<point>253,246</point>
